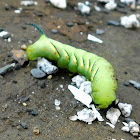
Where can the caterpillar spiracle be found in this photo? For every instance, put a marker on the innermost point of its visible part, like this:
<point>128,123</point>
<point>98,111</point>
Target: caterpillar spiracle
<point>96,69</point>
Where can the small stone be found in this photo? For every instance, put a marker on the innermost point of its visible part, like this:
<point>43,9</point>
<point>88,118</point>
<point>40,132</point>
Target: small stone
<point>7,7</point>
<point>42,84</point>
<point>135,84</point>
<point>14,81</point>
<point>105,11</point>
<point>49,77</point>
<point>47,1</point>
<point>126,84</point>
<point>4,107</point>
<point>33,112</point>
<point>19,127</point>
<point>125,72</point>
<point>70,24</point>
<point>121,5</point>
<point>54,31</point>
<point>74,103</point>
<point>6,68</point>
<point>1,29</point>
<point>133,7</point>
<point>18,11</point>
<point>20,56</point>
<point>138,7</point>
<point>30,41</point>
<point>36,131</point>
<point>6,36</point>
<point>24,125</point>
<point>113,115</point>
<point>113,22</point>
<point>25,99</point>
<point>37,73</point>
<point>122,10</point>
<point>125,108</point>
<point>99,31</point>
<point>62,4</point>
<point>24,27</point>
<point>57,107</point>
<point>24,104</point>
<point>57,102</point>
<point>24,47</point>
<point>28,3</point>
<point>1,77</point>
<point>39,14</point>
<point>18,66</point>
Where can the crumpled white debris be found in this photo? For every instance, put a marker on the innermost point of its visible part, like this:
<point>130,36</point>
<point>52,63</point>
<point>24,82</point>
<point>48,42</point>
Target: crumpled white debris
<point>86,87</point>
<point>78,80</point>
<point>62,4</point>
<point>130,21</point>
<point>87,115</point>
<point>80,95</point>
<point>98,115</point>
<point>46,66</point>
<point>113,115</point>
<point>128,2</point>
<point>111,5</point>
<point>83,8</point>
<point>132,127</point>
<point>93,38</point>
<point>125,108</point>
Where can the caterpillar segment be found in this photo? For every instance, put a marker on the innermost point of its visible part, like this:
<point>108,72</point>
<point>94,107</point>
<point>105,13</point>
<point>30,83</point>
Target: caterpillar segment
<point>96,69</point>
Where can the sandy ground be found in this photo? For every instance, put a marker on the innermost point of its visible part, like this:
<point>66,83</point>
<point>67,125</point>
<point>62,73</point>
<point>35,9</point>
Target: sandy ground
<point>121,48</point>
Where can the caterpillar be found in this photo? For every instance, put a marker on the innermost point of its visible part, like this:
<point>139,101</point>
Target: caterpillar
<point>96,69</point>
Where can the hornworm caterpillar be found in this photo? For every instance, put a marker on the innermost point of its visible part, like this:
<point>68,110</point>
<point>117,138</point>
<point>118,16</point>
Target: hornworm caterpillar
<point>95,68</point>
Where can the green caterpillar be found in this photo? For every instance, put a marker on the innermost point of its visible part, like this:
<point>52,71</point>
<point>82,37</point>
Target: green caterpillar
<point>95,68</point>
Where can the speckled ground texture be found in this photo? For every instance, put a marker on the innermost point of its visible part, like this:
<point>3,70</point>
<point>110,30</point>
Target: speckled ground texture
<point>121,47</point>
